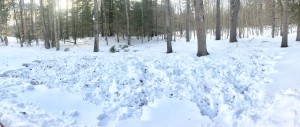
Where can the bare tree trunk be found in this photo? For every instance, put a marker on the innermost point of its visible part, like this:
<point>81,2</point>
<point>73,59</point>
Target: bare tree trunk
<point>51,24</point>
<point>285,27</point>
<point>16,21</point>
<point>127,4</point>
<point>261,27</point>
<point>22,33</point>
<point>168,25</point>
<point>298,32</point>
<point>31,36</point>
<point>187,20</point>
<point>96,32</point>
<point>44,27</point>
<point>74,22</point>
<point>273,18</point>
<point>67,20</point>
<point>234,10</point>
<point>218,25</point>
<point>55,25</point>
<point>201,34</point>
<point>281,17</point>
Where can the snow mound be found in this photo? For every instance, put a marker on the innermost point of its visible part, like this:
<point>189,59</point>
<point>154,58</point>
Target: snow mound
<point>121,85</point>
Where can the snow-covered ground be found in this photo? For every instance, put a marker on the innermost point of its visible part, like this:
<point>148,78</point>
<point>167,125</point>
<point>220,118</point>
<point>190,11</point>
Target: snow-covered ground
<point>250,83</point>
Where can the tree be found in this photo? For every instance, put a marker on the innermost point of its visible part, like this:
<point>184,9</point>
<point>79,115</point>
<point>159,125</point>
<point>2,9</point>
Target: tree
<point>284,42</point>
<point>127,3</point>
<point>218,22</point>
<point>44,25</point>
<point>22,33</point>
<point>298,32</point>
<point>96,31</point>
<point>31,36</point>
<point>234,10</point>
<point>295,9</point>
<point>187,20</point>
<point>4,16</point>
<point>201,34</point>
<point>273,18</point>
<point>168,25</point>
<point>55,25</point>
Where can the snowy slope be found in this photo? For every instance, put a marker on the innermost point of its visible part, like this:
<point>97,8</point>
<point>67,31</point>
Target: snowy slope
<point>147,87</point>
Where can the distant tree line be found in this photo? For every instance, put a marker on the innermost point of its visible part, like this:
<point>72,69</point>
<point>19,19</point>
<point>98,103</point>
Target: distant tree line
<point>145,19</point>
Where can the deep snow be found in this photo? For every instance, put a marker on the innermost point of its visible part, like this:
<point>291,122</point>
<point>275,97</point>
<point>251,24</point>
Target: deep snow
<point>250,83</point>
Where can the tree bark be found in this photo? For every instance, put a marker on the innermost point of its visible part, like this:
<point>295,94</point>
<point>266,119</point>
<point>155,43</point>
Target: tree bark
<point>201,30</point>
<point>281,17</point>
<point>31,36</point>
<point>168,25</point>
<point>273,18</point>
<point>22,33</point>
<point>218,22</point>
<point>55,25</point>
<point>67,20</point>
<point>284,42</point>
<point>127,4</point>
<point>96,32</point>
<point>44,27</point>
<point>187,20</point>
<point>234,10</point>
<point>74,22</point>
<point>298,32</point>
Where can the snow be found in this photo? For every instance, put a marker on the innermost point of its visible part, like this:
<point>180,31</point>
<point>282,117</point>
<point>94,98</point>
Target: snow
<point>250,83</point>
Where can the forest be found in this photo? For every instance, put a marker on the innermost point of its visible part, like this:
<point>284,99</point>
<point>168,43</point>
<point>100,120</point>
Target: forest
<point>67,20</point>
<point>149,63</point>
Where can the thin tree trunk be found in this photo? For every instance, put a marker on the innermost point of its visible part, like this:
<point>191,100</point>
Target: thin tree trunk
<point>168,25</point>
<point>22,34</point>
<point>234,10</point>
<point>44,27</point>
<point>127,4</point>
<point>273,18</point>
<point>218,22</point>
<point>55,25</point>
<point>298,32</point>
<point>281,17</point>
<point>187,20</point>
<point>201,34</point>
<point>284,42</point>
<point>67,20</point>
<point>31,36</point>
<point>74,22</point>
<point>17,24</point>
<point>96,32</point>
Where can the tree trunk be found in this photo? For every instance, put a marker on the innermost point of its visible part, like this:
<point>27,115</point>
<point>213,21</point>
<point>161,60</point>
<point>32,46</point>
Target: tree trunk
<point>187,20</point>
<point>6,40</point>
<point>74,22</point>
<point>281,17</point>
<point>127,4</point>
<point>168,25</point>
<point>285,27</point>
<point>111,17</point>
<point>44,27</point>
<point>67,20</point>
<point>201,34</point>
<point>17,24</point>
<point>55,25</point>
<point>298,31</point>
<point>96,32</point>
<point>234,10</point>
<point>218,25</point>
<point>273,18</point>
<point>22,34</point>
<point>31,36</point>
